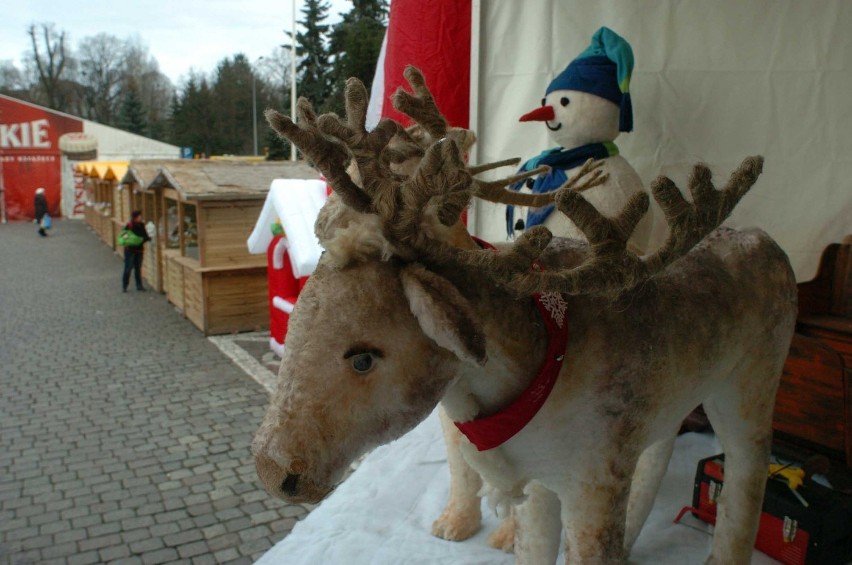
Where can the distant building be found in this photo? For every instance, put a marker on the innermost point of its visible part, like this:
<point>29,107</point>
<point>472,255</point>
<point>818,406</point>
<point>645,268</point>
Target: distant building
<point>38,148</point>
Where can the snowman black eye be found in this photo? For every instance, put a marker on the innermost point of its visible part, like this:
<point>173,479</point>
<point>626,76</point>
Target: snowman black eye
<point>543,101</point>
<point>564,101</point>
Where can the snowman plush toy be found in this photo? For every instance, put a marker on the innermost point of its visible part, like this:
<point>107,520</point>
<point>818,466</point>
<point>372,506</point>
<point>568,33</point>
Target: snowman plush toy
<point>584,109</point>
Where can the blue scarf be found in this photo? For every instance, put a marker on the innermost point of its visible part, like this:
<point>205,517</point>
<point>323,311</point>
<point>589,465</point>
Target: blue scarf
<point>560,161</point>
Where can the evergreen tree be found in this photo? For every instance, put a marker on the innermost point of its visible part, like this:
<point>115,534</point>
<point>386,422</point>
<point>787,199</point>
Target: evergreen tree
<point>314,68</point>
<point>232,91</point>
<point>357,41</point>
<point>192,117</point>
<point>132,114</point>
<point>277,148</point>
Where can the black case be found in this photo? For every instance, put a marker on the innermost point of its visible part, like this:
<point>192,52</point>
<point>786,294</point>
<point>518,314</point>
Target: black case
<point>817,534</point>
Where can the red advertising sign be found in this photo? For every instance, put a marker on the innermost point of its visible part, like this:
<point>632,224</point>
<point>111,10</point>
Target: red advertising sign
<point>30,156</point>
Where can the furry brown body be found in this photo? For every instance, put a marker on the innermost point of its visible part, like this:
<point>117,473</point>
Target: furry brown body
<point>713,328</point>
<point>403,313</point>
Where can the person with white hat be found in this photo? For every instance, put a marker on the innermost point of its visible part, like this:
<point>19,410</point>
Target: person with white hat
<point>40,203</point>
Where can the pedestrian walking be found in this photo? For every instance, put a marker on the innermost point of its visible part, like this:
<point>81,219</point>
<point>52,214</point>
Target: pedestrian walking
<point>40,202</point>
<point>133,253</point>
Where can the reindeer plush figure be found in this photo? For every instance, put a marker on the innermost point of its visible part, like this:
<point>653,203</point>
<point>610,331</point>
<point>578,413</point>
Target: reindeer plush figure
<point>397,319</point>
<point>585,108</point>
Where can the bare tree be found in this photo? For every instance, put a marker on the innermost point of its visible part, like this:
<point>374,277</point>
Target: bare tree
<point>154,89</point>
<point>101,74</point>
<point>12,80</point>
<point>52,62</point>
<point>274,69</point>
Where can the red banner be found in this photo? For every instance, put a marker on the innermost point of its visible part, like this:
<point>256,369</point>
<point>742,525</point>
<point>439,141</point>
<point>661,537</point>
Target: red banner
<point>434,37</point>
<point>29,155</point>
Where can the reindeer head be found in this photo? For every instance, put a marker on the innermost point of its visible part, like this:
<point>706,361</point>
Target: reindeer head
<point>390,319</point>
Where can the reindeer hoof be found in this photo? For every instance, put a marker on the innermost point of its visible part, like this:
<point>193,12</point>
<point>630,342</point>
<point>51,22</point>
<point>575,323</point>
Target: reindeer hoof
<point>503,538</point>
<point>453,526</point>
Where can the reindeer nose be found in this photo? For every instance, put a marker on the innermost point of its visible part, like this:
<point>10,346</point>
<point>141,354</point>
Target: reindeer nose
<point>290,485</point>
<point>277,479</point>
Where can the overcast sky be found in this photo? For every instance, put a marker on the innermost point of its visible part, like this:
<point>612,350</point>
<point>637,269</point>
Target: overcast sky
<point>180,34</point>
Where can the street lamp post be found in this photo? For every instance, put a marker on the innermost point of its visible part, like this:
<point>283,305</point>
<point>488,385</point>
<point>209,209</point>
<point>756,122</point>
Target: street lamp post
<point>254,111</point>
<point>293,79</point>
<point>254,106</point>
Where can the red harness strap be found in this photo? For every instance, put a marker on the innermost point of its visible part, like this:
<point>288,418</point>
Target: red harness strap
<point>490,431</point>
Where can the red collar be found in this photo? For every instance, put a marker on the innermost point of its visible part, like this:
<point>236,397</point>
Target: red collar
<point>490,431</point>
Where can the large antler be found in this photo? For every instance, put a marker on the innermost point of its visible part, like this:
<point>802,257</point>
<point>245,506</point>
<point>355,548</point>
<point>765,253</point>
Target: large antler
<point>441,185</point>
<point>420,106</point>
<point>328,155</point>
<point>611,267</point>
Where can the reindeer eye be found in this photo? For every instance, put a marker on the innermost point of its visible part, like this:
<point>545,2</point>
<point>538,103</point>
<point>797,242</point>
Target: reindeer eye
<point>564,101</point>
<point>362,363</point>
<point>363,357</point>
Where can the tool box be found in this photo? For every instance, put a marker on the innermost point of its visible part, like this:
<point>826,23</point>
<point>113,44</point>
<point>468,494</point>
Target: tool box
<point>811,525</point>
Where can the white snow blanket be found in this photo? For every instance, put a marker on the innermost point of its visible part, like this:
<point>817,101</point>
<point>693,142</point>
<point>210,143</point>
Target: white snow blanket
<point>383,513</point>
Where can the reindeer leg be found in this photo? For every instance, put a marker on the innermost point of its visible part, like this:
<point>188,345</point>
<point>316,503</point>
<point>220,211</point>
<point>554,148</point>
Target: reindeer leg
<point>462,516</point>
<point>537,526</point>
<point>503,538</point>
<point>594,507</point>
<point>649,473</point>
<point>741,414</point>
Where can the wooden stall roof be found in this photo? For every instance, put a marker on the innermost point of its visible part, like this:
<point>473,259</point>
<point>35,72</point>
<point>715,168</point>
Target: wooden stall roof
<point>226,180</point>
<point>104,170</point>
<point>143,171</point>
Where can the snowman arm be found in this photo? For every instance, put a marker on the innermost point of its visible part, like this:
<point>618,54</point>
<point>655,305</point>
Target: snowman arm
<point>489,166</point>
<point>496,191</point>
<point>589,175</point>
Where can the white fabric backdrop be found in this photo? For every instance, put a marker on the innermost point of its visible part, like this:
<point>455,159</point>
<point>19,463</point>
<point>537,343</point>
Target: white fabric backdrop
<point>713,82</point>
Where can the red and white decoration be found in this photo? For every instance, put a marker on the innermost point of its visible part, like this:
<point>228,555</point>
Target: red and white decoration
<point>293,256</point>
<point>445,63</point>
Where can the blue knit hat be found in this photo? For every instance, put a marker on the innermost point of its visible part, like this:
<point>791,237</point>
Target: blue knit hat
<point>604,70</point>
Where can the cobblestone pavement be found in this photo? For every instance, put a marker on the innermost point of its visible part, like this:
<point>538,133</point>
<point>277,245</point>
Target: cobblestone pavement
<point>124,433</point>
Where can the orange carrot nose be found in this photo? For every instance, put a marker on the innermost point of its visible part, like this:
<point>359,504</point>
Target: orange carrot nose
<point>541,114</point>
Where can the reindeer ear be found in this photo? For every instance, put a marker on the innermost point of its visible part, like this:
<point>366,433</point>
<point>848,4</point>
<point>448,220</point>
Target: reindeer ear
<point>444,314</point>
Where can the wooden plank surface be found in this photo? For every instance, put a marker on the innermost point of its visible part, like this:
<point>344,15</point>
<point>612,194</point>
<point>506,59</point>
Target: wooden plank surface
<point>810,400</point>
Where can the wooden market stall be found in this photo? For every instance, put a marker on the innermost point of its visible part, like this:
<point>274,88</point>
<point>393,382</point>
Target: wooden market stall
<point>138,196</point>
<point>204,211</point>
<point>101,184</point>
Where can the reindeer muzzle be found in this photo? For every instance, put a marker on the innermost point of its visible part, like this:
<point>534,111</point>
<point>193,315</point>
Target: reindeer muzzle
<point>280,481</point>
<point>541,114</point>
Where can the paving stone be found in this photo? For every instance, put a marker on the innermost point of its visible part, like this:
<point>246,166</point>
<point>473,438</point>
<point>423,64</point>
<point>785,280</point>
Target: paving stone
<point>100,542</point>
<point>84,558</point>
<point>193,549</point>
<point>226,555</point>
<point>113,553</point>
<point>126,447</point>
<point>160,556</point>
<point>57,555</point>
<point>285,525</point>
<point>204,559</point>
<point>135,535</point>
<point>147,545</point>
